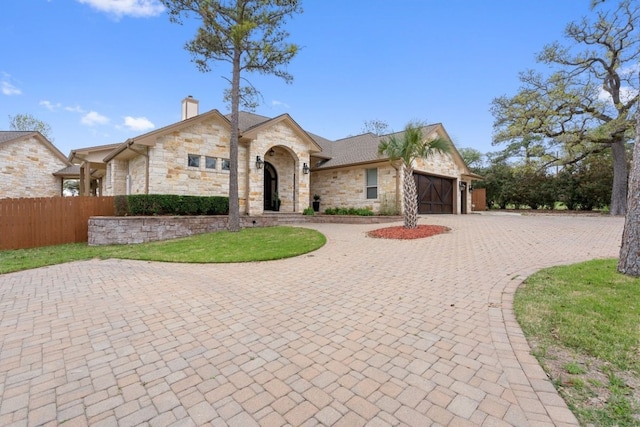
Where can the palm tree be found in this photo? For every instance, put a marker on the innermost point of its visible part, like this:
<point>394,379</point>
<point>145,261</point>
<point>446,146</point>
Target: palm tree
<point>409,148</point>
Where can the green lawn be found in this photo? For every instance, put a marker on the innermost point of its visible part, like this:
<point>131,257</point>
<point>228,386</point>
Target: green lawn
<point>250,244</point>
<point>583,323</point>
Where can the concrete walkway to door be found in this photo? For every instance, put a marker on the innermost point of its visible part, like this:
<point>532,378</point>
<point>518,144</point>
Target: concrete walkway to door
<point>361,332</point>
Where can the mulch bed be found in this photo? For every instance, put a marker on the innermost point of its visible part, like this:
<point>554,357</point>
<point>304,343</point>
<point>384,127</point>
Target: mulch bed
<point>402,233</point>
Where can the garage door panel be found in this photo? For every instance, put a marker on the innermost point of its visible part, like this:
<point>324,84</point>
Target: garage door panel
<point>435,194</point>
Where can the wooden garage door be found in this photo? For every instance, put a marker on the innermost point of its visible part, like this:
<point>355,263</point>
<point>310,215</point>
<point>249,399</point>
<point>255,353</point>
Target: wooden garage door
<point>435,194</point>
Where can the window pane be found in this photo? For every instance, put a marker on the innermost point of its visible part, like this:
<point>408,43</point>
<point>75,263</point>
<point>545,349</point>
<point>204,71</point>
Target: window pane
<point>372,183</point>
<point>210,162</point>
<point>194,160</point>
<point>226,164</point>
<point>372,177</point>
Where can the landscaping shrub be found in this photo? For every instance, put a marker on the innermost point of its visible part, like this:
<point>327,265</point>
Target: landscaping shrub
<point>170,204</point>
<point>121,205</point>
<point>349,211</point>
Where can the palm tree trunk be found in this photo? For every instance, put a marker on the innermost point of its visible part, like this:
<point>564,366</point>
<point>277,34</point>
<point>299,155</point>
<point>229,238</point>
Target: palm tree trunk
<point>410,198</point>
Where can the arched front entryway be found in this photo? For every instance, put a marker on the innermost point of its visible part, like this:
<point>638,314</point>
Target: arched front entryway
<point>270,187</point>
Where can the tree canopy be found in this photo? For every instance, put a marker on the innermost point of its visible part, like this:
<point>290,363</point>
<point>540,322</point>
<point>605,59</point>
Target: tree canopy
<point>27,122</point>
<point>376,127</point>
<point>587,102</point>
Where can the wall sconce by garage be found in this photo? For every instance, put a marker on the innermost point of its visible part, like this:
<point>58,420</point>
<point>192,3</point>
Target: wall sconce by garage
<point>470,189</point>
<point>463,185</point>
<point>305,168</point>
<point>259,162</point>
<point>272,152</point>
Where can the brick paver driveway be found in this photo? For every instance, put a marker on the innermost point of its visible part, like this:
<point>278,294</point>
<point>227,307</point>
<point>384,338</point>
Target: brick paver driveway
<point>361,332</point>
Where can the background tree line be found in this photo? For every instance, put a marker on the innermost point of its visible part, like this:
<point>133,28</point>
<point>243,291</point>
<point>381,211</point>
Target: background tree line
<point>523,184</point>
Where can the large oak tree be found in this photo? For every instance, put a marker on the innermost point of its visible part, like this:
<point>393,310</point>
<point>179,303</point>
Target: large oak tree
<point>248,34</point>
<point>587,103</point>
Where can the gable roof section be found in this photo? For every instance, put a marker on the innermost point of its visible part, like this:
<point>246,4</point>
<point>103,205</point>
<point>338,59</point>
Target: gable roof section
<point>250,124</point>
<point>14,136</point>
<point>455,154</point>
<point>92,154</point>
<point>149,139</point>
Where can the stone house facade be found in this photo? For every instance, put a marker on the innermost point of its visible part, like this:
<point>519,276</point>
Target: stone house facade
<point>30,165</point>
<point>277,161</point>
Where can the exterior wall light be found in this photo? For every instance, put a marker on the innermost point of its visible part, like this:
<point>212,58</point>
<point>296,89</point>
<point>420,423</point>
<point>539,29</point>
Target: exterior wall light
<point>305,168</point>
<point>463,185</point>
<point>259,162</point>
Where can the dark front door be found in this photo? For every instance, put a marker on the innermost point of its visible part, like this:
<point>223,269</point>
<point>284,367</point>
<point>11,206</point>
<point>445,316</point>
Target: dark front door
<point>435,194</point>
<point>270,186</point>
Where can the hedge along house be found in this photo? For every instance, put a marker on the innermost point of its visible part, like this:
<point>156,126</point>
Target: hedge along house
<point>278,161</point>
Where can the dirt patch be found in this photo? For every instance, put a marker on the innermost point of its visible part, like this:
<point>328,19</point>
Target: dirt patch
<point>589,387</point>
<point>402,233</point>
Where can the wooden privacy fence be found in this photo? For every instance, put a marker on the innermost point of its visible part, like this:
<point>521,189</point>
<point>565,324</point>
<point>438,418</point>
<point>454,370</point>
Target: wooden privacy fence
<point>479,199</point>
<point>45,221</point>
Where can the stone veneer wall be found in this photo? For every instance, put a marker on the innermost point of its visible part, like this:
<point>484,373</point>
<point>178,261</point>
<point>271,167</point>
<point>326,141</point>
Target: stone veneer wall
<point>141,229</point>
<point>346,187</point>
<point>26,170</point>
<point>115,180</point>
<point>291,152</point>
<point>169,172</point>
<point>131,230</point>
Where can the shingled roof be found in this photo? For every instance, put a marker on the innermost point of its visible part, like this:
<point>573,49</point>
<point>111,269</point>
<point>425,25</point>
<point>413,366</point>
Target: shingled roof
<point>9,135</point>
<point>346,151</point>
<point>360,149</point>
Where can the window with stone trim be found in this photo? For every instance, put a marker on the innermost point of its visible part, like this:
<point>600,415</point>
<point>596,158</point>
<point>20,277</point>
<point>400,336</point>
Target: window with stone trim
<point>226,164</point>
<point>372,183</point>
<point>193,160</point>
<point>210,162</point>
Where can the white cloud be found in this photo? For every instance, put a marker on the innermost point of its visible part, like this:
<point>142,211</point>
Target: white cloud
<point>138,124</point>
<point>9,89</point>
<point>276,103</point>
<point>49,106</point>
<point>92,118</point>
<point>74,109</point>
<point>134,8</point>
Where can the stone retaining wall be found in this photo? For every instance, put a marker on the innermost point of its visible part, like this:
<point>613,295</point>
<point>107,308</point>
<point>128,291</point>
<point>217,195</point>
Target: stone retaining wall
<point>124,230</point>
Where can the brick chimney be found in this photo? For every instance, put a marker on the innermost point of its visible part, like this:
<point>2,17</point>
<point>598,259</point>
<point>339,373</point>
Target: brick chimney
<point>189,107</point>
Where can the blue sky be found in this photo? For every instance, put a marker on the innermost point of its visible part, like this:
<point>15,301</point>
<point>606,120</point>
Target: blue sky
<point>101,71</point>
